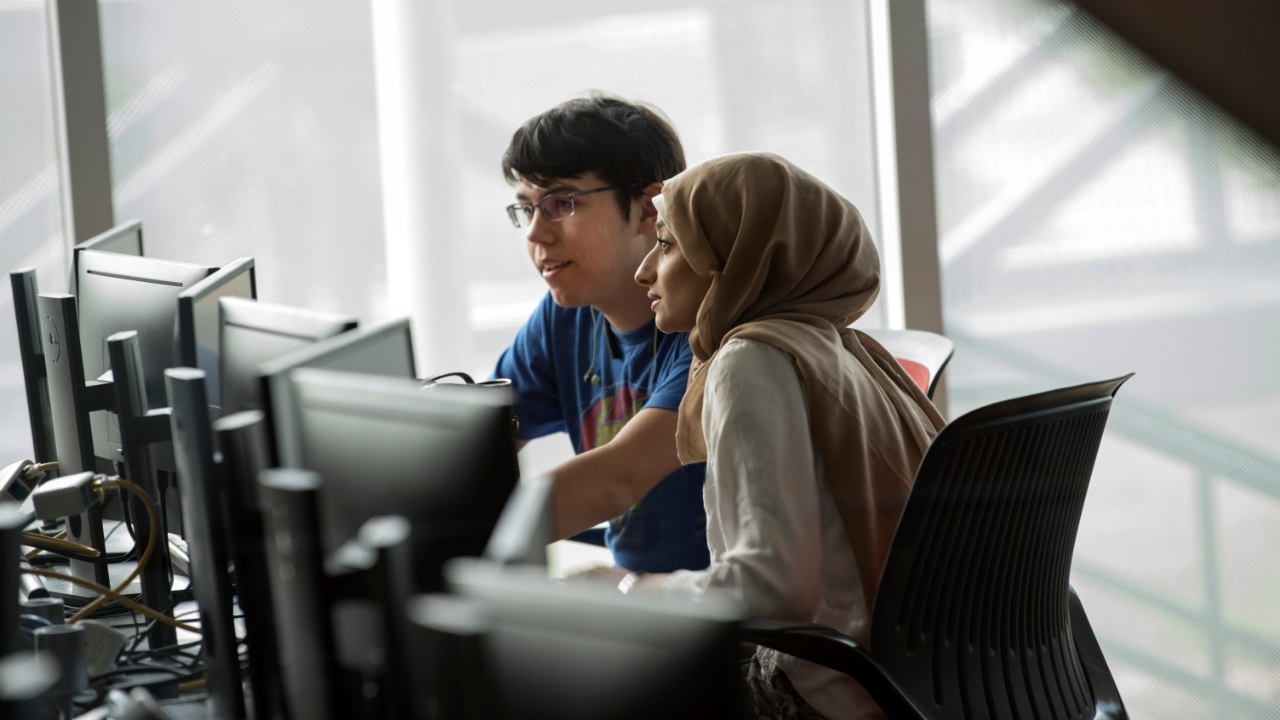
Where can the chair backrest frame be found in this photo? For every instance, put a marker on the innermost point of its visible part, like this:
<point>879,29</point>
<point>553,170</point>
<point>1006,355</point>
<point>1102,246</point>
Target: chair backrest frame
<point>972,616</point>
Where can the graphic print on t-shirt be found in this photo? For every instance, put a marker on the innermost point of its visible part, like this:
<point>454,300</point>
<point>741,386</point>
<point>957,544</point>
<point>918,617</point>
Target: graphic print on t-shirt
<point>604,420</point>
<point>602,423</point>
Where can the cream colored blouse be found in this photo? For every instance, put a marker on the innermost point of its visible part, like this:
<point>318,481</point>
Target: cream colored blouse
<point>774,531</point>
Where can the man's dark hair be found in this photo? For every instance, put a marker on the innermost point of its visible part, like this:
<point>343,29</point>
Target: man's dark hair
<point>628,144</point>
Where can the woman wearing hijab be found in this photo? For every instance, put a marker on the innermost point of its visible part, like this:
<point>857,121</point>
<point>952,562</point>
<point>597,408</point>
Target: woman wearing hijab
<point>811,431</point>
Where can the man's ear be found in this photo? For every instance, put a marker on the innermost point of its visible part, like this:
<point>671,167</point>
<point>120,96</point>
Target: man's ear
<point>649,213</point>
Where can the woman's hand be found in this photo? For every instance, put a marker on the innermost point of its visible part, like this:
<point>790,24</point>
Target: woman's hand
<point>602,574</point>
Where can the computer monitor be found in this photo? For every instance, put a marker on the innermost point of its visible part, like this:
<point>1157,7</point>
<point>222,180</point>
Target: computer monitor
<point>11,526</point>
<point>30,350</point>
<point>444,459</point>
<point>242,440</point>
<point>583,650</point>
<point>384,349</point>
<point>199,330</point>
<point>303,628</point>
<point>203,481</point>
<point>72,401</point>
<point>526,527</point>
<point>118,293</point>
<point>124,239</point>
<point>252,333</point>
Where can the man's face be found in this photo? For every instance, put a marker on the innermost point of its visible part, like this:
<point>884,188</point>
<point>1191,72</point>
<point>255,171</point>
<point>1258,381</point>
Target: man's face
<point>589,257</point>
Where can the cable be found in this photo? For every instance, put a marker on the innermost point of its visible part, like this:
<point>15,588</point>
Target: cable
<point>36,471</point>
<point>591,376</point>
<point>653,365</point>
<point>129,669</point>
<point>132,552</point>
<point>110,594</point>
<point>140,630</point>
<point>54,549</point>
<point>60,546</point>
<point>167,651</point>
<point>146,552</point>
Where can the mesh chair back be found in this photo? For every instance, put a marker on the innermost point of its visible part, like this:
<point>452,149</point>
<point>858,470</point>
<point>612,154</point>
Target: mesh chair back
<point>972,615</point>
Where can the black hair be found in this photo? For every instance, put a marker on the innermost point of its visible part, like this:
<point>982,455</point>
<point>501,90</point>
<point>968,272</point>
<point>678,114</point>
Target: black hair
<point>628,144</point>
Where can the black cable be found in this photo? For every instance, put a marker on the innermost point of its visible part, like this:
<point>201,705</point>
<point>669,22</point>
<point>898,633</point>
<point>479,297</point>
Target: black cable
<point>132,552</point>
<point>127,516</point>
<point>114,609</point>
<point>172,652</point>
<point>142,635</point>
<point>138,669</point>
<point>177,647</point>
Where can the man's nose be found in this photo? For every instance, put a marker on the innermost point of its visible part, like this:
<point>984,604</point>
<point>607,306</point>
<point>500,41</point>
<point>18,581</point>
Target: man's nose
<point>539,230</point>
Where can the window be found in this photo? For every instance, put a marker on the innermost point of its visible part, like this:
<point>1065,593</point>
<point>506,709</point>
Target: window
<point>1098,217</point>
<point>30,215</point>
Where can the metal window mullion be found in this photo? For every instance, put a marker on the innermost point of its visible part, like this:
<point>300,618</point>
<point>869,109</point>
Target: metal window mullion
<point>904,167</point>
<point>80,119</point>
<point>419,141</point>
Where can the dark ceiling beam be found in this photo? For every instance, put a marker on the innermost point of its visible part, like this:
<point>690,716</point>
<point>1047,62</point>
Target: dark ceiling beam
<point>1227,50</point>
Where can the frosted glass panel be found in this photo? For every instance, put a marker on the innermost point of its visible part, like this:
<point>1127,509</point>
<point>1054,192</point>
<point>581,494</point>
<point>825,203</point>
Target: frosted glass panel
<point>30,216</point>
<point>244,128</point>
<point>1098,217</point>
<point>786,77</point>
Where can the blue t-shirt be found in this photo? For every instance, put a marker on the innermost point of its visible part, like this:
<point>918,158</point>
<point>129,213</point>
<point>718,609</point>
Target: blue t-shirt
<point>554,364</point>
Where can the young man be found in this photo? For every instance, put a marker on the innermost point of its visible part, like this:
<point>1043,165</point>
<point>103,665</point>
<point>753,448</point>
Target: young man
<point>590,361</point>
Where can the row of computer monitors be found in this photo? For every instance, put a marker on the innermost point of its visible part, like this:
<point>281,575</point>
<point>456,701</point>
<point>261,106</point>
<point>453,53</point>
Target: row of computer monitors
<point>342,401</point>
<point>189,315</point>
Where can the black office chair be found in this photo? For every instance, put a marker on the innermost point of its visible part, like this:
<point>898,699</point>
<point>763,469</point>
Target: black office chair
<point>974,617</point>
<point>921,353</point>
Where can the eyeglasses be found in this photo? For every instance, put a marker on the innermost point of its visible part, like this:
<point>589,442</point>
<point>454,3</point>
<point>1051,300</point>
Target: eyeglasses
<point>555,207</point>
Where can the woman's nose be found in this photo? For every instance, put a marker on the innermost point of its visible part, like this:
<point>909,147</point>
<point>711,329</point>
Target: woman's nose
<point>644,273</point>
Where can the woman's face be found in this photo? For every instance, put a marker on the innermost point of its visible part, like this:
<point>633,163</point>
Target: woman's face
<point>675,290</point>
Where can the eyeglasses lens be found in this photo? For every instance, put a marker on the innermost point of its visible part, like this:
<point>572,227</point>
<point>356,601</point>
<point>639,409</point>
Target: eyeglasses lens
<point>556,207</point>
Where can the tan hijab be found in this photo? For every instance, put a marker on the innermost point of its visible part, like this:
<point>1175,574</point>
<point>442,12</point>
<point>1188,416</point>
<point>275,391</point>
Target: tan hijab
<point>792,264</point>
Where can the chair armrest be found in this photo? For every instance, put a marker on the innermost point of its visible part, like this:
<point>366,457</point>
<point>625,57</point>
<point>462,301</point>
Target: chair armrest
<point>829,647</point>
<point>1106,695</point>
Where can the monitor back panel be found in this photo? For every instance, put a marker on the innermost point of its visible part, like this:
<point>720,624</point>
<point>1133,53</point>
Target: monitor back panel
<point>124,239</point>
<point>252,333</point>
<point>198,338</point>
<point>384,350</point>
<point>444,460</point>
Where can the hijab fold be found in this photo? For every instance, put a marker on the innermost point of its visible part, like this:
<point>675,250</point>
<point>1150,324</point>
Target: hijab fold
<point>792,265</point>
